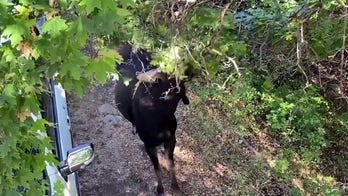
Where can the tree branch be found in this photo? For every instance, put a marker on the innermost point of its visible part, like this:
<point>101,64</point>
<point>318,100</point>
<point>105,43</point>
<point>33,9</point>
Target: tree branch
<point>230,59</point>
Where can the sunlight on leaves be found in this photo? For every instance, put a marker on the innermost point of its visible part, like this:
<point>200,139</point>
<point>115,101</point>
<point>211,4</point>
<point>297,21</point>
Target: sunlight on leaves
<point>54,26</point>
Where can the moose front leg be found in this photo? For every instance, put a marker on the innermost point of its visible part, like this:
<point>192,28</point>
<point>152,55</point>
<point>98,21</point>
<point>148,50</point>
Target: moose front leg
<point>169,151</point>
<point>152,152</point>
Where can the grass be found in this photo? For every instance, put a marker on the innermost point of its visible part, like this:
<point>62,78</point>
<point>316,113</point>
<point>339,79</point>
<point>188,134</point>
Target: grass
<point>219,120</point>
<point>239,171</point>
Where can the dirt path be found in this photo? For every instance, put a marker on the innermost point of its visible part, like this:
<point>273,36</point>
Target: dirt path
<point>210,159</point>
<point>121,166</point>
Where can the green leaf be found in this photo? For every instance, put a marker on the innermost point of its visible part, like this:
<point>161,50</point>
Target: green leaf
<point>9,94</point>
<point>212,68</point>
<point>7,143</point>
<point>162,30</point>
<point>267,84</point>
<point>105,22</point>
<point>76,86</point>
<point>8,54</point>
<point>15,33</point>
<point>79,29</point>
<point>126,3</point>
<point>289,37</point>
<point>59,188</point>
<point>90,5</point>
<point>126,81</point>
<point>39,125</point>
<point>108,4</point>
<point>295,192</point>
<point>73,69</point>
<point>12,193</point>
<point>63,3</point>
<point>32,103</point>
<point>79,87</point>
<point>111,53</point>
<point>228,20</point>
<point>54,26</point>
<point>25,176</point>
<point>100,69</point>
<point>206,17</point>
<point>282,165</point>
<point>123,12</point>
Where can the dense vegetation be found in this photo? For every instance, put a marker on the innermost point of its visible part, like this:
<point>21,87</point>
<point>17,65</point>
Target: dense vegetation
<point>275,68</point>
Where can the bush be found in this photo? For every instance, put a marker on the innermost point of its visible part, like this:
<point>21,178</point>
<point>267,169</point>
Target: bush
<point>300,120</point>
<point>300,117</point>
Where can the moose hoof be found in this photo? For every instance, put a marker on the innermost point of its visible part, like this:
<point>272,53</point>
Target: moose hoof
<point>177,192</point>
<point>160,190</point>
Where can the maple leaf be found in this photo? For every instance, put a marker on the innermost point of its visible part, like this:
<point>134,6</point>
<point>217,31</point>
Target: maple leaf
<point>15,33</point>
<point>9,94</point>
<point>122,12</point>
<point>101,68</point>
<point>54,26</point>
<point>7,143</point>
<point>108,4</point>
<point>90,5</point>
<point>106,52</point>
<point>73,69</point>
<point>79,29</point>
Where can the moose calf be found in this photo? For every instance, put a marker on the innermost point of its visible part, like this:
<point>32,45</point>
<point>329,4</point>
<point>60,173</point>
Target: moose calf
<point>148,98</point>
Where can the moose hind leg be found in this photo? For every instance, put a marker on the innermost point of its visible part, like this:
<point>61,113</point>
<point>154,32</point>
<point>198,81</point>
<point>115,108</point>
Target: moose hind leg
<point>169,151</point>
<point>152,152</point>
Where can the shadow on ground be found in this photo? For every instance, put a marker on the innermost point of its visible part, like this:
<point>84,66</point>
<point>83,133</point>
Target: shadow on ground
<point>121,167</point>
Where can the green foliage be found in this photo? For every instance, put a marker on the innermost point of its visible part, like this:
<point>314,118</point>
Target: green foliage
<point>58,188</point>
<point>273,95</point>
<point>26,58</point>
<point>325,41</point>
<point>300,117</point>
<point>264,95</point>
<point>240,99</point>
<point>281,166</point>
<point>200,40</point>
<point>216,40</point>
<point>54,26</point>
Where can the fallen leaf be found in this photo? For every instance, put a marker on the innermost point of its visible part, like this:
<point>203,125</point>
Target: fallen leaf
<point>53,3</point>
<point>26,50</point>
<point>23,115</point>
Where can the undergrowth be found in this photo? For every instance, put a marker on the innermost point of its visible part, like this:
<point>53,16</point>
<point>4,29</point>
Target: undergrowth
<point>308,136</point>
<point>221,150</point>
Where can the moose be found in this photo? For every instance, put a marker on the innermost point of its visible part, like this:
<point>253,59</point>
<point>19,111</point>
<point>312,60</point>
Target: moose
<point>148,98</point>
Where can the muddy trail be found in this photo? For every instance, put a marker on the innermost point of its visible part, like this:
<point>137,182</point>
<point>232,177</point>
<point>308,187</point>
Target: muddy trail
<point>122,167</point>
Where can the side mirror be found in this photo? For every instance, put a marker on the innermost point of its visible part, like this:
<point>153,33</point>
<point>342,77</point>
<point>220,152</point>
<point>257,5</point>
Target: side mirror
<point>78,158</point>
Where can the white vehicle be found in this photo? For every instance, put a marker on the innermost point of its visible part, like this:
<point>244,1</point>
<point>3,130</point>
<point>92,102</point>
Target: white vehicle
<point>55,110</point>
